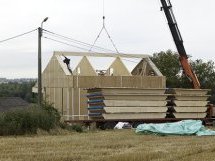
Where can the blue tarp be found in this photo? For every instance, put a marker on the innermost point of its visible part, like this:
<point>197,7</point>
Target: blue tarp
<point>185,127</point>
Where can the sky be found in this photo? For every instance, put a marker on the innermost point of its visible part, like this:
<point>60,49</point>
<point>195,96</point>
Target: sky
<point>136,26</point>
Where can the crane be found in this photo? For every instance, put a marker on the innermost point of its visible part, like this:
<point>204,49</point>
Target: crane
<point>183,58</point>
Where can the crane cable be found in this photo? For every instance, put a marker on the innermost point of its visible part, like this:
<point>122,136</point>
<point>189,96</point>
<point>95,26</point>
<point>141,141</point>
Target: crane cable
<point>74,41</point>
<point>104,28</point>
<point>68,44</point>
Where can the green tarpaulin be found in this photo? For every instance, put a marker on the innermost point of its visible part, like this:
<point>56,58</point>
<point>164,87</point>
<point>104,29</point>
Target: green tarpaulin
<point>185,127</point>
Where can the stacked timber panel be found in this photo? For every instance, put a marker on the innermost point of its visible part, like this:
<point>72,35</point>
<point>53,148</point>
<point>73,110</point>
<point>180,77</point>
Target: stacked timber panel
<point>187,103</point>
<point>126,103</point>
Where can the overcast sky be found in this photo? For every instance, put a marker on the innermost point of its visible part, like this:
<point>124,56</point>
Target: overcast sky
<point>136,26</point>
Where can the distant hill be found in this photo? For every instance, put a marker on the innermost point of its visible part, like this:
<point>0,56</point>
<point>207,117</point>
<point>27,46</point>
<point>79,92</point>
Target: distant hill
<point>17,80</point>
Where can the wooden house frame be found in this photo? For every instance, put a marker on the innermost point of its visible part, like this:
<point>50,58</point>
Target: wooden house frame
<point>66,88</point>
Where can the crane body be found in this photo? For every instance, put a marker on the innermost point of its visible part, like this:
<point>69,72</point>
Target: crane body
<point>183,58</point>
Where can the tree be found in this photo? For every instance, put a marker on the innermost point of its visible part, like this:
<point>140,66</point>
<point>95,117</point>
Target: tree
<point>169,65</point>
<point>205,72</point>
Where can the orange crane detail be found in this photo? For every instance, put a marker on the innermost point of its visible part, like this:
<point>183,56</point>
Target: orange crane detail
<point>167,8</point>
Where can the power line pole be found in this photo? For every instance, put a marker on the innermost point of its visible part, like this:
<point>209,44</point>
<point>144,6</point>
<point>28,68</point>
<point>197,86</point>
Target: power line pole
<point>40,32</point>
<point>39,67</point>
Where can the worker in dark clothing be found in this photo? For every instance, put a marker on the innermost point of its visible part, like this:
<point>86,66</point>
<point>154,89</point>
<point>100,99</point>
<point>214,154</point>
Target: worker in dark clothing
<point>67,62</point>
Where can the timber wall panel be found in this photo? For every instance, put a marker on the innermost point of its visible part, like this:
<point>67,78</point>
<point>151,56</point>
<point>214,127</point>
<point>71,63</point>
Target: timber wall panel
<point>127,103</point>
<point>58,100</point>
<point>52,95</point>
<point>109,81</point>
<point>76,102</point>
<point>65,101</point>
<point>69,109</point>
<point>86,81</point>
<point>134,116</point>
<point>153,82</point>
<point>145,83</point>
<point>135,109</point>
<point>47,95</point>
<point>119,69</point>
<point>105,81</point>
<point>134,81</point>
<point>83,105</point>
<point>86,69</point>
<point>54,76</point>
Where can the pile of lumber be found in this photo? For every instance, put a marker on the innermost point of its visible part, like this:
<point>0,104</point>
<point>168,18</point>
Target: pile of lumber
<point>126,103</point>
<point>187,103</point>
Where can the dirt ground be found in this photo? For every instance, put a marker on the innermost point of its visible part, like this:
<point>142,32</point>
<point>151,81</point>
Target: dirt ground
<point>113,145</point>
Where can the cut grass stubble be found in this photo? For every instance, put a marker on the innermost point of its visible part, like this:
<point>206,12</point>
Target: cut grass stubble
<point>118,145</point>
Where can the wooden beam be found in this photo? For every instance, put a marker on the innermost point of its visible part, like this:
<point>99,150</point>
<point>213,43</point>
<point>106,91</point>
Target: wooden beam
<point>65,53</point>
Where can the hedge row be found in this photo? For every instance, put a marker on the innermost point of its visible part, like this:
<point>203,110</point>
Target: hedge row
<point>27,121</point>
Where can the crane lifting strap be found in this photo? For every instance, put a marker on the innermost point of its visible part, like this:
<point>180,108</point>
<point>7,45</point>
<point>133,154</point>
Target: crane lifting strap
<point>104,28</point>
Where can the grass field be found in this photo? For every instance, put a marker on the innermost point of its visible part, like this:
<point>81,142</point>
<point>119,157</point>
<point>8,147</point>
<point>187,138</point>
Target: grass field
<point>119,145</point>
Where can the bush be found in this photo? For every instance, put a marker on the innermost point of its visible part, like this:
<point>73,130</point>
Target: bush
<point>53,113</point>
<point>27,121</point>
<point>77,128</point>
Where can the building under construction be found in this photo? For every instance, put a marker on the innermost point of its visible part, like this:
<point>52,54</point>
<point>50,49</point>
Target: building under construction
<point>85,93</point>
<point>66,88</point>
